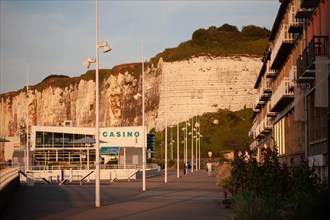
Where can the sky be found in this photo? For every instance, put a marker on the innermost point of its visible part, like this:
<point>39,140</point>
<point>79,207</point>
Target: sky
<point>44,37</point>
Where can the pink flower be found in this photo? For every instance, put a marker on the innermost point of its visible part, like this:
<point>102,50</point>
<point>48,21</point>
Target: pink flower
<point>225,193</point>
<point>291,160</point>
<point>302,158</point>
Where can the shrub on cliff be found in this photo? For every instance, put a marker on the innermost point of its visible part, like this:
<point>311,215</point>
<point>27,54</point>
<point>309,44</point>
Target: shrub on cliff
<point>222,41</point>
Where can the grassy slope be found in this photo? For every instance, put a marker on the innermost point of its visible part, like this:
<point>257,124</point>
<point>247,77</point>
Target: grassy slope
<point>232,129</point>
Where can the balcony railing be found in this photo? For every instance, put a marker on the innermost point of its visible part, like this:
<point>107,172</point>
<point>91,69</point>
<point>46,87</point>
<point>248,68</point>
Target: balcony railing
<point>258,133</point>
<point>318,46</point>
<point>266,125</point>
<point>269,109</point>
<point>282,47</point>
<point>267,86</point>
<point>295,24</point>
<point>292,77</point>
<point>264,96</point>
<point>258,103</point>
<point>270,73</point>
<point>282,96</point>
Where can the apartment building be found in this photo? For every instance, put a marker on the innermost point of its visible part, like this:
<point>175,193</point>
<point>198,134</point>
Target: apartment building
<point>290,110</point>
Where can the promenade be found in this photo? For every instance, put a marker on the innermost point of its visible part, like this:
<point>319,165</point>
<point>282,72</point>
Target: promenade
<point>193,196</point>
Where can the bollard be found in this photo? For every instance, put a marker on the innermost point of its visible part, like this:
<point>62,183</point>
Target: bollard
<point>71,174</point>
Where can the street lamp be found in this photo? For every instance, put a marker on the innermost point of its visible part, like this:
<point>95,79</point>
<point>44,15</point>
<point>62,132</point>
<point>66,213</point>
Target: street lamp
<point>86,63</point>
<point>192,144</point>
<point>197,125</point>
<point>178,151</point>
<point>199,151</point>
<point>144,128</point>
<point>184,129</point>
<point>27,119</point>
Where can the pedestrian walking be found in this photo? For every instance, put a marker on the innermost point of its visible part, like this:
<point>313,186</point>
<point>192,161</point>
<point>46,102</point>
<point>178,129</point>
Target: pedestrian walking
<point>209,168</point>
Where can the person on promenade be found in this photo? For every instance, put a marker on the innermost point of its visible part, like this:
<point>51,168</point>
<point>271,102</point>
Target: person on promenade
<point>209,168</point>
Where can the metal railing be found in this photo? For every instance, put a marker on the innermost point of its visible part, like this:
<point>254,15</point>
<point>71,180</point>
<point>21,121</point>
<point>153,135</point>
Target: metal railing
<point>90,167</point>
<point>318,46</point>
<point>281,91</point>
<point>283,37</point>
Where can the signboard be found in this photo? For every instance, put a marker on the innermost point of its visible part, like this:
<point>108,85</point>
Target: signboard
<point>109,150</point>
<point>122,136</point>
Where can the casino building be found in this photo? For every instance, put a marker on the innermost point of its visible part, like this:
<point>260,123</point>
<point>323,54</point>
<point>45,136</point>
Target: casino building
<point>50,145</point>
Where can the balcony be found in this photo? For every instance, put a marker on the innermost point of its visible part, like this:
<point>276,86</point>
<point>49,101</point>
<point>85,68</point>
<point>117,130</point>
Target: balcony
<point>306,9</point>
<point>269,72</point>
<point>270,114</point>
<point>295,24</point>
<point>267,86</point>
<point>255,110</point>
<point>266,125</point>
<point>252,133</point>
<point>293,77</point>
<point>282,96</point>
<point>265,90</point>
<point>318,46</point>
<point>282,48</point>
<point>309,3</point>
<point>304,14</point>
<point>258,133</point>
<point>258,103</point>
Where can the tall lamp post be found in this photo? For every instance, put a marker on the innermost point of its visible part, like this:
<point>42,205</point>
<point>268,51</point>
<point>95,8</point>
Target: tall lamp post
<point>27,119</point>
<point>86,63</point>
<point>184,129</point>
<point>144,128</point>
<point>199,151</point>
<point>197,138</point>
<point>178,150</point>
<point>192,144</point>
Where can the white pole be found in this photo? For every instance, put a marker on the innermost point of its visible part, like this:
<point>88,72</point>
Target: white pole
<point>165,82</point>
<point>88,161</point>
<point>97,142</point>
<point>196,156</point>
<point>186,147</point>
<point>177,151</point>
<point>27,117</point>
<point>196,153</point>
<point>199,149</point>
<point>192,144</point>
<point>125,158</point>
<point>144,129</point>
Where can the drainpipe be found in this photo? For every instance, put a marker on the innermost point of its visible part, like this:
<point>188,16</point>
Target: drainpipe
<point>306,125</point>
<point>328,114</point>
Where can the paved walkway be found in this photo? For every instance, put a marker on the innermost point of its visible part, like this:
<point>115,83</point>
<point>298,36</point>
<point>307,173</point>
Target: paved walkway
<point>193,196</point>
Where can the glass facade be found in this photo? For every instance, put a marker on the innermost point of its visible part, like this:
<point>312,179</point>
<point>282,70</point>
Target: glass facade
<point>53,148</point>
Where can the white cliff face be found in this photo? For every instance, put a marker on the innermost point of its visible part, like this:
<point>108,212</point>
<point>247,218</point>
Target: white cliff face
<point>206,84</point>
<point>189,87</point>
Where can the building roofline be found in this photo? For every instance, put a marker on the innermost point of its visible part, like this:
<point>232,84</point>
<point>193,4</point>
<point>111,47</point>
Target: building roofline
<point>264,60</point>
<point>278,19</point>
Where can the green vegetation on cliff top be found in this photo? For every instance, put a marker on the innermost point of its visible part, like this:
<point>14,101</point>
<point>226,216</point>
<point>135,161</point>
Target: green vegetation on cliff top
<point>226,40</point>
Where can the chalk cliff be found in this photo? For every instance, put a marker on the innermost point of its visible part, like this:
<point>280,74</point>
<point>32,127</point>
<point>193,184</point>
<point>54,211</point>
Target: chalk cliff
<point>182,89</point>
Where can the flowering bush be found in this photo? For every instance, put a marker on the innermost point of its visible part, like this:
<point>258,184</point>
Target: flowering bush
<point>277,186</point>
<point>270,178</point>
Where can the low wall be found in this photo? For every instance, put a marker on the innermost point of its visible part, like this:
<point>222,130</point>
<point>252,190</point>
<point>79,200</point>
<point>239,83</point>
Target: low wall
<point>7,192</point>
